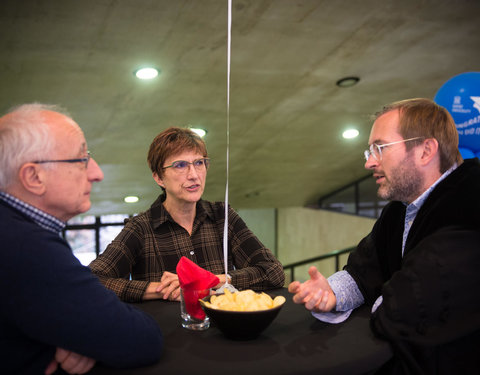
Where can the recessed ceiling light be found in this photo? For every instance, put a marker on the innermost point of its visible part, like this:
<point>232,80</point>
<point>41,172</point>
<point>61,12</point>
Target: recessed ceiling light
<point>348,81</point>
<point>199,131</point>
<point>146,73</point>
<point>131,199</point>
<point>350,133</point>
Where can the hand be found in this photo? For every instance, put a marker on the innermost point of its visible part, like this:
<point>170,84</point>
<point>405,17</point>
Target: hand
<point>167,288</point>
<point>316,293</point>
<point>222,279</point>
<point>72,363</point>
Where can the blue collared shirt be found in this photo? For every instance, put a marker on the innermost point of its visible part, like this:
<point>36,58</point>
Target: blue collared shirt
<point>344,286</point>
<point>40,217</point>
<point>414,207</point>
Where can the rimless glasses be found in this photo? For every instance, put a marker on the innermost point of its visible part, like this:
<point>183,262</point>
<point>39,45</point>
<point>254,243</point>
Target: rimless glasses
<point>376,150</point>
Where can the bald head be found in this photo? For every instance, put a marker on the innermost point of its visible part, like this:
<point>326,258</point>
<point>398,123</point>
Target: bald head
<point>26,135</point>
<point>44,160</point>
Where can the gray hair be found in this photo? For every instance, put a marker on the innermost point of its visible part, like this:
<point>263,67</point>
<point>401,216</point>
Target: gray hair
<point>24,137</point>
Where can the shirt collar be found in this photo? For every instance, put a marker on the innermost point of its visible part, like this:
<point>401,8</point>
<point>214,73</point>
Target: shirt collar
<point>40,217</point>
<point>160,215</point>
<point>417,203</point>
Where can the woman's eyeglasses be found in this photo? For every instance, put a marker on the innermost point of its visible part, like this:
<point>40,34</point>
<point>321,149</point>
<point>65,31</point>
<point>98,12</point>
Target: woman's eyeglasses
<point>182,166</point>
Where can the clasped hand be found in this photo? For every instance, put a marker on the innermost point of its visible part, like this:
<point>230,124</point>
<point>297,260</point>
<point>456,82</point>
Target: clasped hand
<point>315,293</point>
<point>167,288</point>
<point>72,363</point>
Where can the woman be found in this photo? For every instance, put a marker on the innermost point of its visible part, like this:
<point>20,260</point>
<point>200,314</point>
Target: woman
<point>140,263</point>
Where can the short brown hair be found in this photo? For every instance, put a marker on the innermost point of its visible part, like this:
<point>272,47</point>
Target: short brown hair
<point>422,117</point>
<point>170,142</point>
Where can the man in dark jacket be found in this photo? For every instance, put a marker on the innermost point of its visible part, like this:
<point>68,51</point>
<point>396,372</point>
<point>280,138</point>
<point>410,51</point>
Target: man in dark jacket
<point>54,312</point>
<point>419,267</point>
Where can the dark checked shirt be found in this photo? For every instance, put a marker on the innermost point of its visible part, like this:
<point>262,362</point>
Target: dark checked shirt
<point>152,243</point>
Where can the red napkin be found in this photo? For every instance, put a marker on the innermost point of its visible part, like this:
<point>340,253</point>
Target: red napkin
<point>194,279</point>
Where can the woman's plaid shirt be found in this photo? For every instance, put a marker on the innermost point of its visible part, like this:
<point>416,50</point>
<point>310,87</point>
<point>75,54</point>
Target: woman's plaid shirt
<point>152,243</point>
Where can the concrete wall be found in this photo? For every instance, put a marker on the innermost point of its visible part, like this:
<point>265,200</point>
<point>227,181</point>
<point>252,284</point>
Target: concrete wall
<point>305,233</point>
<point>262,222</point>
<point>296,233</point>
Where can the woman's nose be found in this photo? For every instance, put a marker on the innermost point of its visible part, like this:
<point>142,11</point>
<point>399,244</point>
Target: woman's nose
<point>192,171</point>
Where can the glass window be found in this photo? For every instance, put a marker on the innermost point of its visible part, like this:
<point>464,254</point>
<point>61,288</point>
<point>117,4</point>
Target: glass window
<point>111,219</point>
<point>82,242</point>
<point>82,232</point>
<point>81,220</point>
<point>108,234</point>
<point>341,201</point>
<point>359,198</point>
<point>369,203</point>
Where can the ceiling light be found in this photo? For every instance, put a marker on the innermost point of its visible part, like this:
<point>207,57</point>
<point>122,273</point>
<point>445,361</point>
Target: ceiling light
<point>131,199</point>
<point>350,133</point>
<point>348,81</point>
<point>146,73</point>
<point>200,132</point>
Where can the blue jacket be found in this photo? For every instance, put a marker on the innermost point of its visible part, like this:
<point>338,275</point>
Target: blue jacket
<point>48,300</point>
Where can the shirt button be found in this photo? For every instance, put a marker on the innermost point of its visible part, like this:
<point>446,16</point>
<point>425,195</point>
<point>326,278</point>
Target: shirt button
<point>192,252</point>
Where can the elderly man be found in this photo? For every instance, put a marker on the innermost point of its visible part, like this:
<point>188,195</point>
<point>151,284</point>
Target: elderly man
<point>419,267</point>
<point>54,312</point>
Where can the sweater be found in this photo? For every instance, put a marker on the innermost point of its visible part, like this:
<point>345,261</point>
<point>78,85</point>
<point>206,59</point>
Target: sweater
<point>49,300</point>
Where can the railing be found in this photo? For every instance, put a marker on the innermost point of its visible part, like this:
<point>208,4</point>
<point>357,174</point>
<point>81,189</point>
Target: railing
<point>335,254</point>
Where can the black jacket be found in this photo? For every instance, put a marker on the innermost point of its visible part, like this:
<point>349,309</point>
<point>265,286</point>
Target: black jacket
<point>431,307</point>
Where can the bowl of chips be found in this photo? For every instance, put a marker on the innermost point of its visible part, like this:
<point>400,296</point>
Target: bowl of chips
<point>242,315</point>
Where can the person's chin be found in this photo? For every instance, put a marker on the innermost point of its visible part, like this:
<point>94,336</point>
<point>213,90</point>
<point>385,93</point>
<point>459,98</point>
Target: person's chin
<point>383,192</point>
<point>194,197</point>
<point>84,207</point>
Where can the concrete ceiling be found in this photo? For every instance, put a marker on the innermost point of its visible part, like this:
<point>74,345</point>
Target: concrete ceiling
<point>286,112</point>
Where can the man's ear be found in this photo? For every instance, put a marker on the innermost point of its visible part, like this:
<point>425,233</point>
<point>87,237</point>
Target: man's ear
<point>158,180</point>
<point>429,151</point>
<point>32,178</point>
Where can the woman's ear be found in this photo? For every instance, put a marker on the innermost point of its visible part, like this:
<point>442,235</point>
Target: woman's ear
<point>158,180</point>
<point>32,178</point>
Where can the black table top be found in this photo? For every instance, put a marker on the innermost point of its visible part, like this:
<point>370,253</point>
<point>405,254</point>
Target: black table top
<point>294,343</point>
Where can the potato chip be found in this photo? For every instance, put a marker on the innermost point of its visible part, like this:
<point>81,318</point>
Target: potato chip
<point>278,300</point>
<point>245,300</point>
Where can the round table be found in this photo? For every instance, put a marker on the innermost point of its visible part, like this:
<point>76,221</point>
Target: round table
<point>294,343</point>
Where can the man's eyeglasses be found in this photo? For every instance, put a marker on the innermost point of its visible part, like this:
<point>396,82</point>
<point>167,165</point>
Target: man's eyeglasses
<point>182,166</point>
<point>84,160</point>
<point>376,150</point>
